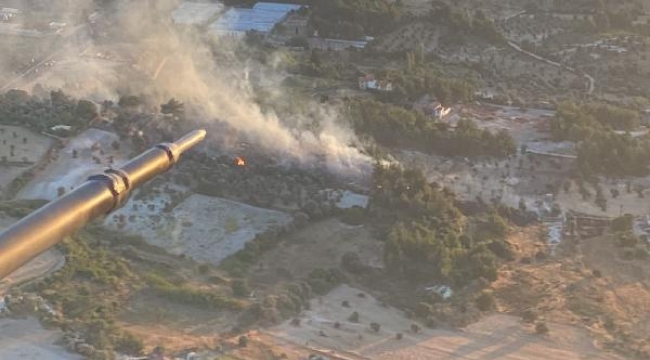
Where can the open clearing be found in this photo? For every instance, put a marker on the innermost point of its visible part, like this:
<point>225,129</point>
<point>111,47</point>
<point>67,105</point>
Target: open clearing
<point>494,337</point>
<point>68,172</point>
<point>206,229</point>
<point>175,326</point>
<point>318,245</point>
<point>26,339</point>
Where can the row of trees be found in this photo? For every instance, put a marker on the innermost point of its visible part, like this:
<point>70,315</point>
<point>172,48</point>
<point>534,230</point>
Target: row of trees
<point>600,149</point>
<point>576,122</point>
<point>395,126</point>
<point>419,78</point>
<point>462,25</point>
<point>17,107</point>
<point>425,233</point>
<point>352,19</point>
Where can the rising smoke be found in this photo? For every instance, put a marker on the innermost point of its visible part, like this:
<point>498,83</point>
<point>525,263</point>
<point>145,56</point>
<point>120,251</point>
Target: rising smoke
<point>213,80</point>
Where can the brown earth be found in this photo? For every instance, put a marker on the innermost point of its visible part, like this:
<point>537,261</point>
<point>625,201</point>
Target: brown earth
<point>318,245</point>
<point>587,284</point>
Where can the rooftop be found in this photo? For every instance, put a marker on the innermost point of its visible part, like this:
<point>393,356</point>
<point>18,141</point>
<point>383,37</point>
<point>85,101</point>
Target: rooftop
<point>262,17</point>
<point>196,13</point>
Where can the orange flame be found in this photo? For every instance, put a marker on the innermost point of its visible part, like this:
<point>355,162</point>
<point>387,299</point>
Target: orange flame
<point>239,161</point>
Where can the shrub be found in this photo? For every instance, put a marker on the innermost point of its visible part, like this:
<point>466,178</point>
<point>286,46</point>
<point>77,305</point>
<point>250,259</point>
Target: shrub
<point>502,250</point>
<point>375,327</point>
<point>541,328</point>
<point>415,328</point>
<point>351,262</point>
<point>203,269</point>
<point>485,301</point>
<point>423,309</point>
<point>353,216</point>
<point>240,288</point>
<point>623,223</point>
<point>596,273</point>
<point>243,341</point>
<point>529,316</point>
<point>354,317</point>
<point>627,239</point>
<point>399,336</point>
<point>128,344</point>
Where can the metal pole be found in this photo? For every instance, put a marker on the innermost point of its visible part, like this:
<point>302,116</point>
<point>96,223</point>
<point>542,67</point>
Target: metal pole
<point>98,196</point>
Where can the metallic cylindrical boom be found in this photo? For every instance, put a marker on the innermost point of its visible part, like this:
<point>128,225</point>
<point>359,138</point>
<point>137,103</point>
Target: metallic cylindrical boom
<point>100,195</point>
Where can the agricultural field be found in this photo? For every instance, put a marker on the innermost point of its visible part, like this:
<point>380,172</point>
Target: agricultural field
<point>206,229</point>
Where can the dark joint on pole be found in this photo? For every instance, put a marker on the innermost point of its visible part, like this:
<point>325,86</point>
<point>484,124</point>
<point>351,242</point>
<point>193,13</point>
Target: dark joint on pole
<point>98,196</point>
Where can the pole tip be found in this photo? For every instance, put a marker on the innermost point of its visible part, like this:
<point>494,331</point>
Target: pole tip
<point>190,140</point>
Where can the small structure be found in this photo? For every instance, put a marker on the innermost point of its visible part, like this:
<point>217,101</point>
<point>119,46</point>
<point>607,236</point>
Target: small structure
<point>57,26</point>
<point>444,291</point>
<point>436,110</point>
<point>432,107</point>
<point>368,82</point>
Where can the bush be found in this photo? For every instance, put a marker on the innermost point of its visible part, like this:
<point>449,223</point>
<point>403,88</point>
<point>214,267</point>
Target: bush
<point>242,342</point>
<point>240,288</point>
<point>529,316</point>
<point>354,317</point>
<point>351,262</point>
<point>323,281</point>
<point>375,327</point>
<point>596,273</point>
<point>627,239</point>
<point>129,344</point>
<point>423,310</point>
<point>623,223</point>
<point>203,269</point>
<point>541,328</point>
<point>485,301</point>
<point>353,216</point>
<point>415,328</point>
<point>502,250</point>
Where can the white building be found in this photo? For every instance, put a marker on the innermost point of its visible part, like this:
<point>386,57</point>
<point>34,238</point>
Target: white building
<point>369,82</point>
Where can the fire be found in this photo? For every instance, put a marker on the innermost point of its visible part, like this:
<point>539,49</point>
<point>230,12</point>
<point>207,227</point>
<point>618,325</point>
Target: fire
<point>239,161</point>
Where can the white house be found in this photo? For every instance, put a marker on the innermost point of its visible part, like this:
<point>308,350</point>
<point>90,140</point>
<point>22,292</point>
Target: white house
<point>368,82</point>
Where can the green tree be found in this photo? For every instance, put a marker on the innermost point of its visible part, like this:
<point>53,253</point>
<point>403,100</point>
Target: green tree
<point>86,110</point>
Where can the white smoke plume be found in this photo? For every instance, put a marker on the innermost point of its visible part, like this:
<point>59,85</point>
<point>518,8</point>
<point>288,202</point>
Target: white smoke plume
<point>161,60</point>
